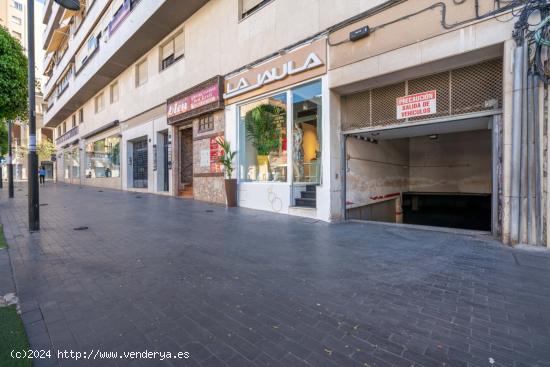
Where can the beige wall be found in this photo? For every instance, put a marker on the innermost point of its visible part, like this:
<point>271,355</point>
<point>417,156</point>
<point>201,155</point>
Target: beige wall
<point>459,162</point>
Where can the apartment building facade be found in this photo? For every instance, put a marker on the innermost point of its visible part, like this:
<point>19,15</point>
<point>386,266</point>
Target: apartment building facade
<point>337,109</point>
<point>13,17</point>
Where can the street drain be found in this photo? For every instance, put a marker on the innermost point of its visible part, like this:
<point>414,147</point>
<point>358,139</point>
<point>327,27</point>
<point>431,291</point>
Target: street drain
<point>83,228</point>
<point>209,211</point>
<point>43,204</point>
<point>99,190</point>
<point>139,197</point>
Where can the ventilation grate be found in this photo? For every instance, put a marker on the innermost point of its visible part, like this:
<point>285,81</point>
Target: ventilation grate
<point>461,91</point>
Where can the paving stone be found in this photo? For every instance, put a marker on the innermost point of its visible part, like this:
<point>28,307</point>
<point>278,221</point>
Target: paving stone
<point>239,287</point>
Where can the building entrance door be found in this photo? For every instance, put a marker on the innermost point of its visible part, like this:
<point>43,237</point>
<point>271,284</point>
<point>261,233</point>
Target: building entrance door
<point>186,162</point>
<point>139,163</point>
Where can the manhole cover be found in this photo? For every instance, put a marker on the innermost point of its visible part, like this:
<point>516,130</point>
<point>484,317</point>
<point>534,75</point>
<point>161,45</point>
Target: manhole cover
<point>99,190</point>
<point>43,204</point>
<point>139,197</point>
<point>83,228</point>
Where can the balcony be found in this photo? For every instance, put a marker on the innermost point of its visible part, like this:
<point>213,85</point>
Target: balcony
<point>136,32</point>
<point>53,24</point>
<point>69,135</point>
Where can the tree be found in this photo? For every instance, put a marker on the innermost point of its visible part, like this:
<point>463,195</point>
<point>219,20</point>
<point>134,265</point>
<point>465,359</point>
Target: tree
<point>13,83</point>
<point>45,150</point>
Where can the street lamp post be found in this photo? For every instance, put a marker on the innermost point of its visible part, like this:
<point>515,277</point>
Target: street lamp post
<point>33,203</point>
<point>34,209</point>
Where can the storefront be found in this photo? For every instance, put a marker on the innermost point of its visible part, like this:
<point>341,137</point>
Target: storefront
<point>280,129</point>
<point>99,162</point>
<point>198,121</point>
<point>147,150</point>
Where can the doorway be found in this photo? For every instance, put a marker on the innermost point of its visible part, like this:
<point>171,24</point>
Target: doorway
<point>437,174</point>
<point>186,162</point>
<point>140,163</point>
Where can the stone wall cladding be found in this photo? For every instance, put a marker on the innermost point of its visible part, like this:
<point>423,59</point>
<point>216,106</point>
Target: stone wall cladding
<point>209,189</point>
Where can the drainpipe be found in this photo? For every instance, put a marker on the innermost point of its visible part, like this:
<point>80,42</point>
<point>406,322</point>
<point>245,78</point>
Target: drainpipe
<point>343,174</point>
<point>530,161</point>
<point>516,144</point>
<point>538,168</point>
<point>523,196</point>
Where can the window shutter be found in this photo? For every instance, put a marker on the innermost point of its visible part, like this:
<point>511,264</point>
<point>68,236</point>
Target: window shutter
<point>250,4</point>
<point>167,50</point>
<point>179,45</point>
<point>142,73</point>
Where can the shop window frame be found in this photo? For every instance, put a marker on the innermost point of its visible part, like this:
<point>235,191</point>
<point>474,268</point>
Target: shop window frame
<point>289,116</point>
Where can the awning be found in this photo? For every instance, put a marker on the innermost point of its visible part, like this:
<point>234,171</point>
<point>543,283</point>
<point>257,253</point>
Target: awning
<point>69,13</point>
<point>58,37</point>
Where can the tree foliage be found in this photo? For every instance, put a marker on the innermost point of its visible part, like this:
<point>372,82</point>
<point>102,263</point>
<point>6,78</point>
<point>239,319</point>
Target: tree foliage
<point>13,78</point>
<point>45,150</point>
<point>13,83</point>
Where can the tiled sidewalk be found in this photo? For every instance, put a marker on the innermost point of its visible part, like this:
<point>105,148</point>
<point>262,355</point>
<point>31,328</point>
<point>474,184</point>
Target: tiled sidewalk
<point>240,287</point>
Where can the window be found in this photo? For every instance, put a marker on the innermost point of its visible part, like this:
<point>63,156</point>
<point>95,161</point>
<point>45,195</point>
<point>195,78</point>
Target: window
<point>64,127</point>
<point>263,140</point>
<point>74,120</point>
<point>141,73</point>
<point>99,103</point>
<point>114,92</point>
<point>103,158</point>
<point>15,20</point>
<point>172,51</point>
<point>81,116</point>
<point>306,133</point>
<point>17,35</point>
<point>265,146</point>
<point>17,5</point>
<point>71,162</point>
<point>59,131</point>
<point>247,7</point>
<point>206,123</point>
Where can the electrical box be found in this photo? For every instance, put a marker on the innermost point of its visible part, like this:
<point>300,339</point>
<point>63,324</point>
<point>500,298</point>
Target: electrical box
<point>359,33</point>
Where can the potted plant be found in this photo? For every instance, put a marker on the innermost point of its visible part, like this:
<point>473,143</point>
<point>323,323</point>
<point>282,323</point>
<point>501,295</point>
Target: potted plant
<point>263,130</point>
<point>226,159</point>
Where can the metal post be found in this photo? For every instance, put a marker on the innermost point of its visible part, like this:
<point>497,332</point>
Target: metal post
<point>34,210</point>
<point>10,161</point>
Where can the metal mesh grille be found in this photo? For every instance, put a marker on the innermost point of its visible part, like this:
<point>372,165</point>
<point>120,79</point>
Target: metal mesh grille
<point>438,82</point>
<point>477,88</point>
<point>461,91</point>
<point>383,103</point>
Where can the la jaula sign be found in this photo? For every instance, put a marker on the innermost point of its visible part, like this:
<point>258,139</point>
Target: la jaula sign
<point>414,105</point>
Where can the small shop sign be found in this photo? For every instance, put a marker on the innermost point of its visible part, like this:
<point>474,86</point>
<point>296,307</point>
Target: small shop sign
<point>216,152</point>
<point>201,99</point>
<point>414,105</point>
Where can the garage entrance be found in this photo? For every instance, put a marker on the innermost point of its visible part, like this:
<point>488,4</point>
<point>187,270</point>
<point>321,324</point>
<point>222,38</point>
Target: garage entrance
<point>437,174</point>
<point>426,151</point>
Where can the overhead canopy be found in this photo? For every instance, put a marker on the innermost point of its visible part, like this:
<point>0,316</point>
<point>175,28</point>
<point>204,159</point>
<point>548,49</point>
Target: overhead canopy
<point>58,37</point>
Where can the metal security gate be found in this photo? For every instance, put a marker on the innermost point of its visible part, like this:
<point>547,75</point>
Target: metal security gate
<point>139,163</point>
<point>470,93</point>
<point>472,89</point>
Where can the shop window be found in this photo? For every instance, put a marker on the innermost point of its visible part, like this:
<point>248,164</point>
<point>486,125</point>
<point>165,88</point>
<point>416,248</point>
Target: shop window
<point>263,140</point>
<point>114,92</point>
<point>103,158</point>
<point>248,7</point>
<point>172,51</point>
<point>71,162</point>
<point>306,133</point>
<point>206,123</point>
<point>99,103</point>
<point>141,73</point>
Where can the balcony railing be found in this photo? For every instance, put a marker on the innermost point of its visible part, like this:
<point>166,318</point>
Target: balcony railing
<point>68,135</point>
